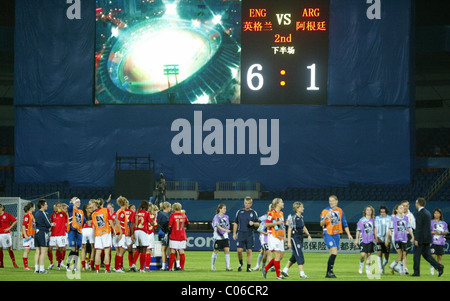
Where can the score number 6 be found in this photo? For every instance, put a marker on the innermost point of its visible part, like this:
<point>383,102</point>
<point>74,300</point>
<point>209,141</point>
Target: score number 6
<point>251,74</point>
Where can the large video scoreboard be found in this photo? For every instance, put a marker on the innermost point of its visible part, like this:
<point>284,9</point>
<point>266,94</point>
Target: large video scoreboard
<point>284,52</point>
<point>215,52</point>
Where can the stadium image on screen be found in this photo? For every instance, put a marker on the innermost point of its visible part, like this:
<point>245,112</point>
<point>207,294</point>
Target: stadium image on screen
<point>167,52</point>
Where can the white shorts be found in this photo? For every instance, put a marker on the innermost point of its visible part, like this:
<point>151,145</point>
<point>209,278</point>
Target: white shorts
<point>124,243</point>
<point>177,244</point>
<point>58,241</point>
<point>88,236</point>
<point>263,240</point>
<point>103,242</point>
<point>151,238</point>
<point>5,240</point>
<point>142,239</point>
<point>115,241</point>
<point>29,244</point>
<point>275,244</point>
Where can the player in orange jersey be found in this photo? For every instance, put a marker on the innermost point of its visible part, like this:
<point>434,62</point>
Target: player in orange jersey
<point>333,221</point>
<point>276,236</point>
<point>75,233</point>
<point>103,225</point>
<point>88,237</point>
<point>177,221</point>
<point>28,231</point>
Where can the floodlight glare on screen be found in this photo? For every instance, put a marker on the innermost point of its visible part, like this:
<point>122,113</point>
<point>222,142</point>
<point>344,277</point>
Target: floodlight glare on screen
<point>212,52</point>
<point>134,59</point>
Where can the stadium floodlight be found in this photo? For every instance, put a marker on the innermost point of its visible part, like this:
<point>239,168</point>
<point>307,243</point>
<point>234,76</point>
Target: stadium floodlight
<point>217,19</point>
<point>115,32</point>
<point>196,23</point>
<point>171,9</point>
<point>167,46</point>
<point>234,72</point>
<point>202,99</point>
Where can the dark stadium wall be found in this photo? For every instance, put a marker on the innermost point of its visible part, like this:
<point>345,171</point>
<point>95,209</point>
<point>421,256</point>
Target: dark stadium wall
<point>363,135</point>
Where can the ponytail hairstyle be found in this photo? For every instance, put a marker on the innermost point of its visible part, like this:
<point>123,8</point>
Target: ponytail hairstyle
<point>122,201</point>
<point>153,208</point>
<point>275,203</point>
<point>28,207</point>
<point>143,206</point>
<point>164,205</point>
<point>219,208</point>
<point>394,211</point>
<point>98,203</point>
<point>176,207</point>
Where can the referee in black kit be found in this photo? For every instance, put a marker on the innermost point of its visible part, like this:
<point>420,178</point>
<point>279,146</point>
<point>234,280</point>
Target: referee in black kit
<point>41,238</point>
<point>243,226</point>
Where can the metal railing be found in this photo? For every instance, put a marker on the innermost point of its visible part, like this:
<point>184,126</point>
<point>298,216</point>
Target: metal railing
<point>237,190</point>
<point>238,186</point>
<point>182,185</point>
<point>437,185</point>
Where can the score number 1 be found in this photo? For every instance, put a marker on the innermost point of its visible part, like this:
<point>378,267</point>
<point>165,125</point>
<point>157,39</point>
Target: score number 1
<point>252,74</point>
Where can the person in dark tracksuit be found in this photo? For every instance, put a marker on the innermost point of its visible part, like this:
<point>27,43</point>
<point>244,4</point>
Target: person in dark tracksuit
<point>243,232</point>
<point>41,238</point>
<point>296,229</point>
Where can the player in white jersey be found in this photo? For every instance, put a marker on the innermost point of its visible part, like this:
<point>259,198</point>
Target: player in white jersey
<point>382,225</point>
<point>263,239</point>
<point>221,226</point>
<point>412,224</point>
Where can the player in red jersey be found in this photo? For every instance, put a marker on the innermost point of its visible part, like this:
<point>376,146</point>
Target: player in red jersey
<point>153,210</point>
<point>141,235</point>
<point>125,226</point>
<point>177,222</point>
<point>7,221</point>
<point>28,231</point>
<point>58,237</point>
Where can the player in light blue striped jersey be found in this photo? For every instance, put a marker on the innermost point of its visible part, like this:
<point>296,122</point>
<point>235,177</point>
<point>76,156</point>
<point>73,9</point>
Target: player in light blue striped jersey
<point>382,225</point>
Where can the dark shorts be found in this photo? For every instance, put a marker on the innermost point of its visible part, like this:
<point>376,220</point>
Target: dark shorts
<point>367,248</point>
<point>221,244</point>
<point>245,241</point>
<point>409,244</point>
<point>400,245</point>
<point>437,250</point>
<point>41,239</point>
<point>164,238</point>
<point>297,250</point>
<point>381,247</point>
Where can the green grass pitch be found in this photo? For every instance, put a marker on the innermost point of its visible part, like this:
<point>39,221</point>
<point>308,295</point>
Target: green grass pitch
<point>198,264</point>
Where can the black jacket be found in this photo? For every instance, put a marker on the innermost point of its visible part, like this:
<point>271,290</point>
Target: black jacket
<point>423,227</point>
